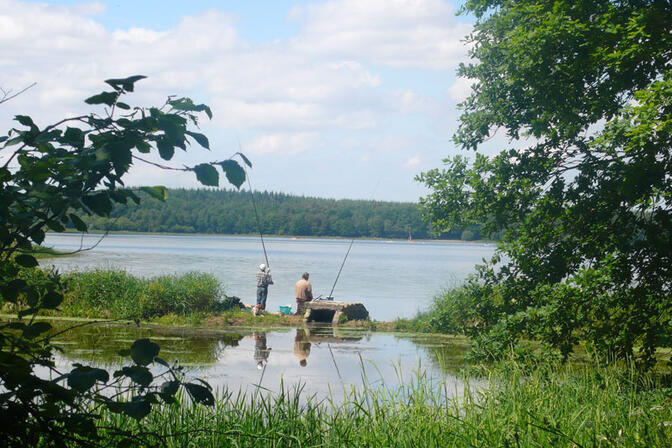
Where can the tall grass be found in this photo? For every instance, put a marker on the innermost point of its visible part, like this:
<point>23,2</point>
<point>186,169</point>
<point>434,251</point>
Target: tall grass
<point>113,293</point>
<point>550,407</point>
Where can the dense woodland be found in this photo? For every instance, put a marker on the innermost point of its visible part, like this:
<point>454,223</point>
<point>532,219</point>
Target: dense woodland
<point>232,212</point>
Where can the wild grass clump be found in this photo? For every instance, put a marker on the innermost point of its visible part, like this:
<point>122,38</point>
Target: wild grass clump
<point>114,293</point>
<point>453,311</point>
<point>549,407</point>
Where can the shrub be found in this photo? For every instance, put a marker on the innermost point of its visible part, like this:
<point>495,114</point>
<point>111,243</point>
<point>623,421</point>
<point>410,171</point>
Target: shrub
<point>115,293</point>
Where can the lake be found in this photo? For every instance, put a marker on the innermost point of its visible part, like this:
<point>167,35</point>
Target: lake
<point>392,278</point>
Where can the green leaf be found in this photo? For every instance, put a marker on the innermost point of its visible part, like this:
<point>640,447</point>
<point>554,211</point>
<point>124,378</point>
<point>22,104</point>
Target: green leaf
<point>139,375</point>
<point>37,236</point>
<point>170,387</point>
<point>25,120</point>
<point>27,312</point>
<point>125,83</point>
<point>138,409</point>
<point>51,300</point>
<point>35,329</point>
<point>78,223</point>
<point>103,98</point>
<point>161,361</point>
<point>166,149</point>
<point>167,398</point>
<point>83,378</point>
<point>74,136</point>
<point>124,352</point>
<point>207,174</point>
<point>143,351</point>
<point>143,147</point>
<point>235,173</point>
<point>25,260</point>
<point>158,192</point>
<point>10,291</point>
<point>200,138</point>
<point>123,106</point>
<point>200,394</point>
<point>245,159</point>
<point>56,226</point>
<point>98,203</point>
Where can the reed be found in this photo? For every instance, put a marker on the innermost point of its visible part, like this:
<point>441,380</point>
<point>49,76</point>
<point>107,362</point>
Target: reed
<point>116,294</point>
<point>550,406</point>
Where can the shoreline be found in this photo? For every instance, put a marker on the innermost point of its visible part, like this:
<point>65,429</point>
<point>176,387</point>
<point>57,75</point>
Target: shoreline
<point>98,232</point>
<point>221,321</point>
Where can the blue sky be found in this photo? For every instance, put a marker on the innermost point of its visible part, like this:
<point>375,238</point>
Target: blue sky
<point>334,98</point>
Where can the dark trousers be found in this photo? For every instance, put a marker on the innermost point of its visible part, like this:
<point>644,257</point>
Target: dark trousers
<point>262,293</point>
<point>300,306</point>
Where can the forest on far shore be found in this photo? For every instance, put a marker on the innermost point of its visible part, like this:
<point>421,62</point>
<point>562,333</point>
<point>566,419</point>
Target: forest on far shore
<point>232,212</point>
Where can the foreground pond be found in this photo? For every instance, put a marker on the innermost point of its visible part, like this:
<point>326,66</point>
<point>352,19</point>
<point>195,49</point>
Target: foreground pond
<point>321,359</point>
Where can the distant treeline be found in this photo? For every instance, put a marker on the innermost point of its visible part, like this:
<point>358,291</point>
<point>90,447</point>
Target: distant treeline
<point>232,212</point>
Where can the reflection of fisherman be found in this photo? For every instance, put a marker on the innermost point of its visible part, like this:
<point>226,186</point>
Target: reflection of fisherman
<point>263,280</point>
<point>301,347</point>
<point>304,293</point>
<point>261,352</point>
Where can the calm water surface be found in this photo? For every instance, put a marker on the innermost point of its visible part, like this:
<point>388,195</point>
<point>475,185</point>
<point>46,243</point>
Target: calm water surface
<point>392,278</point>
<point>322,359</point>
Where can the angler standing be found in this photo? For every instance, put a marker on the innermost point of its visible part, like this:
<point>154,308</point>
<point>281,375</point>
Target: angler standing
<point>263,280</point>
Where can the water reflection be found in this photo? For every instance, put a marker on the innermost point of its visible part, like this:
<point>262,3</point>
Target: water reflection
<point>321,359</point>
<point>301,347</point>
<point>261,351</point>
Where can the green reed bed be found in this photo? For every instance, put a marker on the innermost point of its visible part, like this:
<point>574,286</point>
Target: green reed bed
<point>572,407</point>
<point>116,294</point>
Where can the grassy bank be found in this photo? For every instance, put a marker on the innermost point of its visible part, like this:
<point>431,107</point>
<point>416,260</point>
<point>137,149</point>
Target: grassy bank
<point>551,406</point>
<point>191,299</point>
<point>116,294</point>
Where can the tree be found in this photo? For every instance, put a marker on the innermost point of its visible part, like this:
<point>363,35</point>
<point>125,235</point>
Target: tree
<point>582,193</point>
<point>49,179</point>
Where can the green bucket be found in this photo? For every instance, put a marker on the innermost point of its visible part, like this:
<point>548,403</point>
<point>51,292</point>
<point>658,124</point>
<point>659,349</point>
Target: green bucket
<point>285,309</point>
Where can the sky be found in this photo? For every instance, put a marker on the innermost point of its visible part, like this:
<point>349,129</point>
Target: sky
<point>332,98</point>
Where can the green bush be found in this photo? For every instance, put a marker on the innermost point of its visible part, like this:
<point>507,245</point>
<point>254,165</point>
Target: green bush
<point>192,292</point>
<point>114,293</point>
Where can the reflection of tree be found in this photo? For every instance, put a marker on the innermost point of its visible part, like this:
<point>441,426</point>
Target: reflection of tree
<point>100,343</point>
<point>301,346</point>
<point>331,334</point>
<point>446,353</point>
<point>261,352</point>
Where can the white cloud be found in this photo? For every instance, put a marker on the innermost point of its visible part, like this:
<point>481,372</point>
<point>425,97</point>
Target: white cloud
<point>412,162</point>
<point>398,33</point>
<point>318,90</point>
<point>284,143</point>
<point>460,89</point>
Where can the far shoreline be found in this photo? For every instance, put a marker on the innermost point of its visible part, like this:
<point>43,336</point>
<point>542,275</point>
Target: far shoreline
<point>293,237</point>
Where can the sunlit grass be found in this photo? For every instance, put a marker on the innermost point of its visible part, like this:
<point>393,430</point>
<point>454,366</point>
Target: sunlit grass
<point>549,407</point>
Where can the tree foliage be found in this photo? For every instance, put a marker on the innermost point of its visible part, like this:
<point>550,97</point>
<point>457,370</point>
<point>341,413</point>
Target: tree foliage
<point>50,178</point>
<point>231,212</point>
<point>582,191</point>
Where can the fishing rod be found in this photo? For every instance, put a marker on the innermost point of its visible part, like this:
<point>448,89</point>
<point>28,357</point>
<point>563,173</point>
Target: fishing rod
<point>331,297</point>
<point>339,271</point>
<point>256,212</point>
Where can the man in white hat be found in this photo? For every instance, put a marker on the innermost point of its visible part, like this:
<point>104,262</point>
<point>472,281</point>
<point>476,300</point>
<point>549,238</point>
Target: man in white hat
<point>263,280</point>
